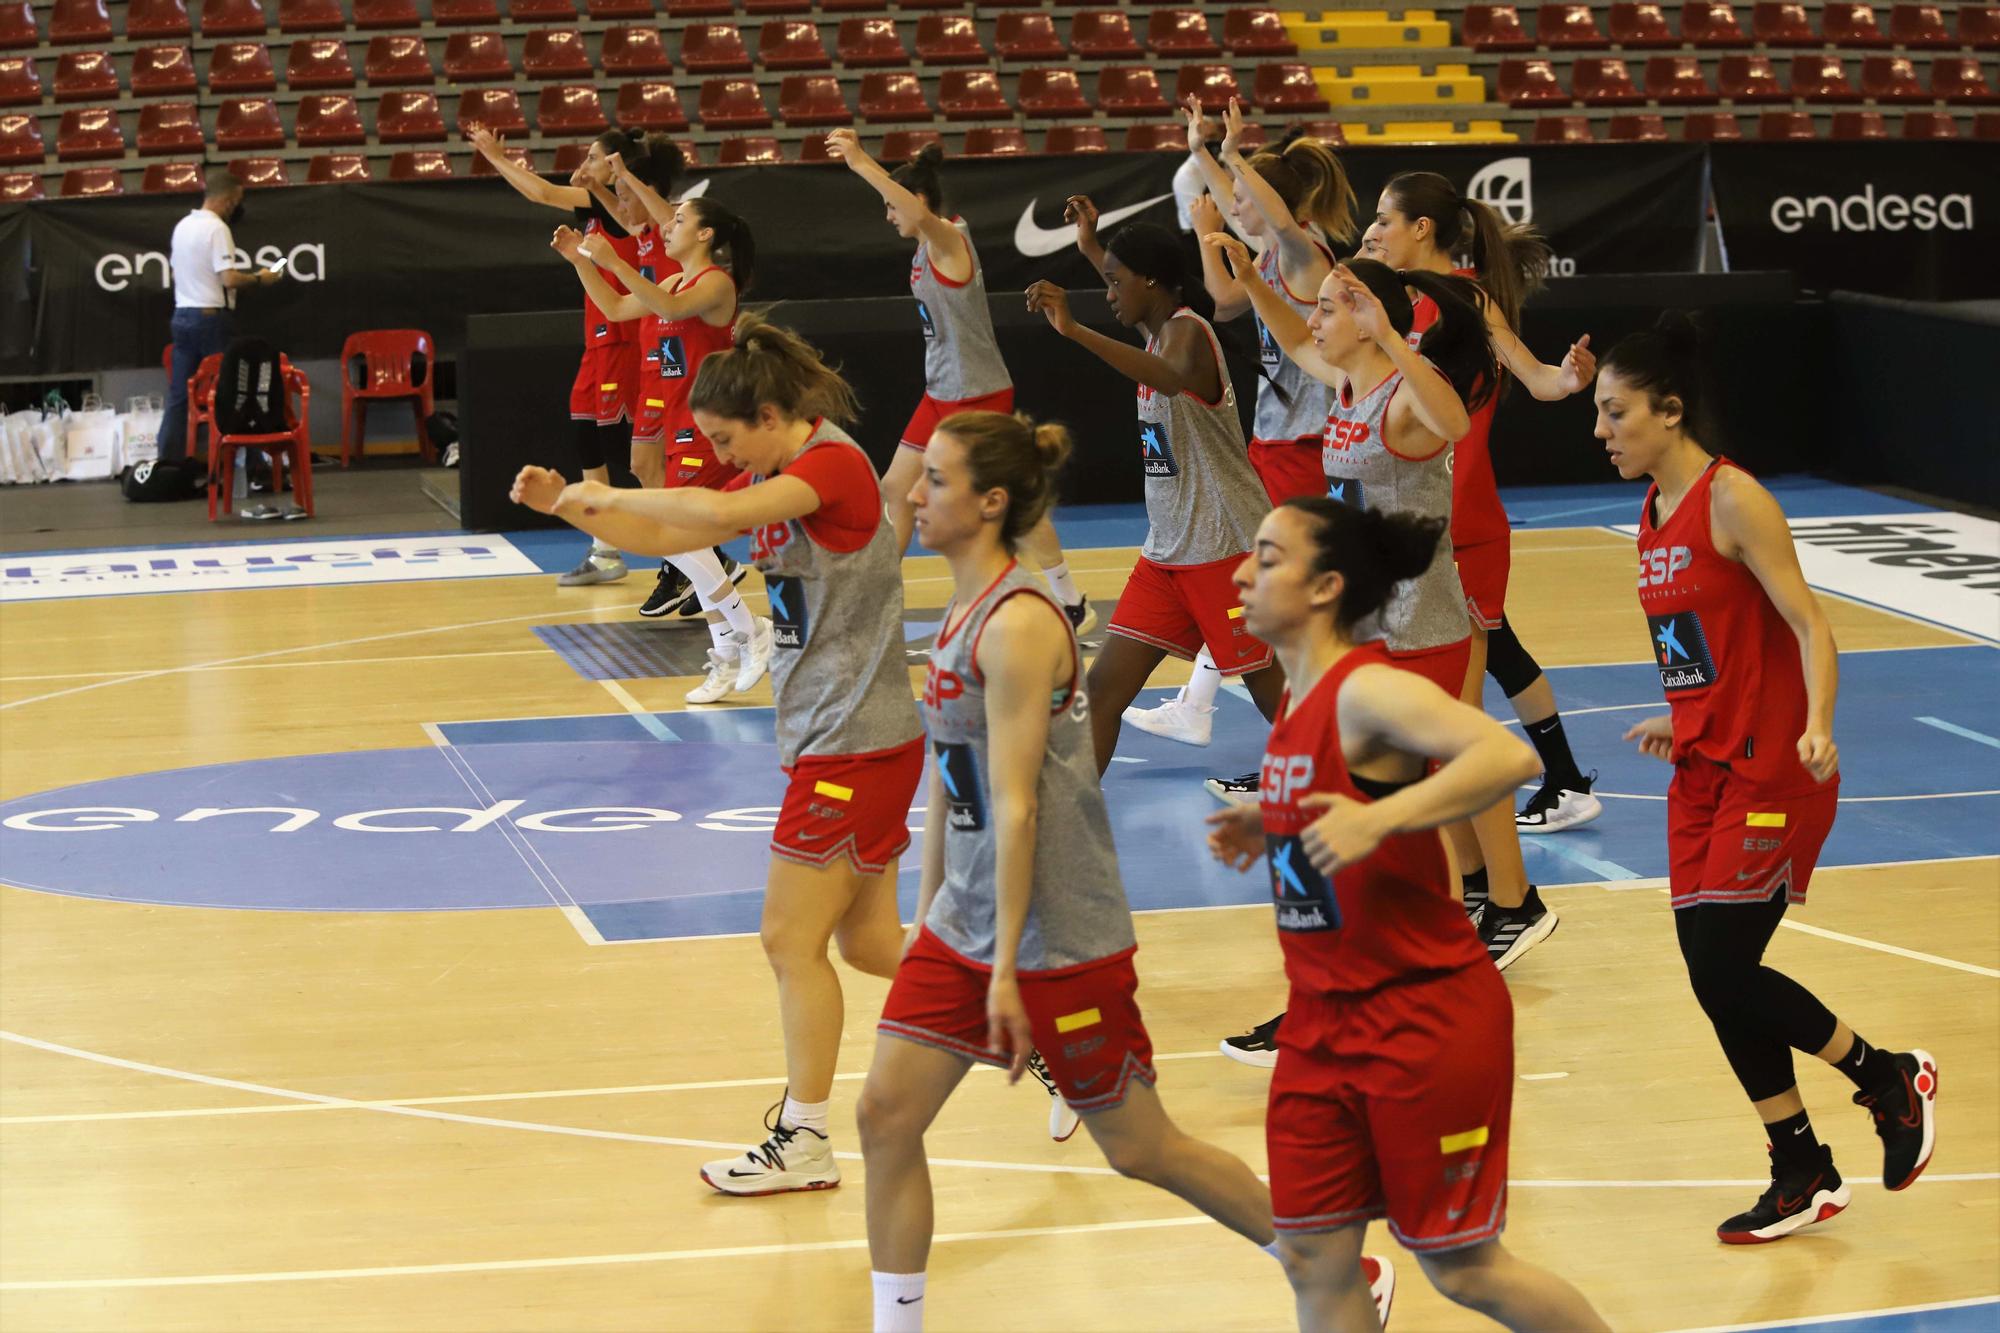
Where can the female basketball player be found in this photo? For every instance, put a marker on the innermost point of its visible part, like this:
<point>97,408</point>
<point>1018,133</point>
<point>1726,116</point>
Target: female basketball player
<point>1393,1091</point>
<point>601,399</point>
<point>963,371</point>
<point>1202,497</point>
<point>1748,665</point>
<point>1023,939</point>
<point>848,733</point>
<point>684,321</point>
<point>1287,203</point>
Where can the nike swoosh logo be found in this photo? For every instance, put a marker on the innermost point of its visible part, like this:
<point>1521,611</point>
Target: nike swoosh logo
<point>1035,241</point>
<point>1800,1130</point>
<point>908,1300</point>
<point>1085,1084</point>
<point>1786,1207</point>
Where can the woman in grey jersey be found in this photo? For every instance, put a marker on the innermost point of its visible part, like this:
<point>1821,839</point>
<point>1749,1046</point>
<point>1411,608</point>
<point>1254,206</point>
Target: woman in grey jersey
<point>849,738</point>
<point>1023,939</point>
<point>963,370</point>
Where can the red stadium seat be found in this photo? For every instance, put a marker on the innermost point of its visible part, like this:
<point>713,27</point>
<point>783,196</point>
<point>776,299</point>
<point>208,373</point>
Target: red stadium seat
<point>1919,26</point>
<point>464,13</point>
<point>647,105</point>
<point>813,148</point>
<point>777,6</point>
<point>714,48</point>
<point>1640,127</point>
<point>996,141</point>
<point>18,31</point>
<point>241,67</point>
<point>734,104</point>
<point>1749,79</point>
<point>792,44</point>
<point>1213,86</point>
<point>1050,94</point>
<point>1026,36</point>
<point>542,11</point>
<point>20,187</point>
<point>309,16</point>
<point>1103,34</point>
<point>21,139</point>
<point>328,120</point>
<point>318,62</point>
<point>1288,90</point>
<point>75,22</point>
<point>495,109</point>
<point>477,57</point>
<point>1076,139</point>
<point>1891,79</point>
<point>81,76</point>
<point>1935,125</point>
<point>1958,79</point>
<point>82,182</point>
<point>1529,81</point>
<point>1677,81</point>
<point>1180,33</point>
<point>701,9</point>
<point>1253,137</point>
<point>1711,23</point>
<point>1495,28</point>
<point>949,39</point>
<point>161,71</point>
<point>370,14</point>
<point>813,99</point>
<point>252,122</point>
<point>629,51</point>
<point>1156,139</point>
<point>21,82</point>
<point>417,164</point>
<point>913,4</point>
<point>870,43</point>
<point>1564,129</point>
<point>409,118</point>
<point>893,96</point>
<point>232,18</point>
<point>555,53</point>
<point>334,168</point>
<point>1821,79</point>
<point>1256,32</point>
<point>260,173</point>
<point>1132,90</point>
<point>1859,125</point>
<point>1979,28</point>
<point>1604,82</point>
<point>574,154</point>
<point>1851,25</point>
<point>87,134</point>
<point>172,178</point>
<point>849,6</point>
<point>971,94</point>
<point>1326,131</point>
<point>902,145</point>
<point>1640,26</point>
<point>1781,23</point>
<point>1786,125</point>
<point>602,10</point>
<point>567,109</point>
<point>750,150</point>
<point>1567,28</point>
<point>520,157</point>
<point>398,59</point>
<point>169,127</point>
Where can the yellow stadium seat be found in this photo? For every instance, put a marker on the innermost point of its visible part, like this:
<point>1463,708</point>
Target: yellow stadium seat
<point>1400,85</point>
<point>1428,131</point>
<point>1370,29</point>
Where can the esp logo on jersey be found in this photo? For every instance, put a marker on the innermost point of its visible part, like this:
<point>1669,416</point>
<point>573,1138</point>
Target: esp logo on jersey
<point>1156,456</point>
<point>1680,650</point>
<point>788,609</point>
<point>941,687</point>
<point>959,774</point>
<point>1285,778</point>
<point>1342,436</point>
<point>1658,566</point>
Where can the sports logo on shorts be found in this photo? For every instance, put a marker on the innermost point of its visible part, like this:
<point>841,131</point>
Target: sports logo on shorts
<point>1344,490</point>
<point>671,358</point>
<point>1304,898</point>
<point>1156,457</point>
<point>788,610</point>
<point>1680,650</point>
<point>959,774</point>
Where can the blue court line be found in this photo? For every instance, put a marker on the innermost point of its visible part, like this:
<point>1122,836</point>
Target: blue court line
<point>1957,730</point>
<point>1607,870</point>
<point>1972,1315</point>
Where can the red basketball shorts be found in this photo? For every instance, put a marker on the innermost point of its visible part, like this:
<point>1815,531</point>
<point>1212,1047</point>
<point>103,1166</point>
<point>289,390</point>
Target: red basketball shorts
<point>607,382</point>
<point>852,805</point>
<point>1443,667</point>
<point>1482,570</point>
<point>691,461</point>
<point>1183,608</point>
<point>1727,842</point>
<point>1288,468</point>
<point>1084,1019</point>
<point>1395,1104</point>
<point>917,435</point>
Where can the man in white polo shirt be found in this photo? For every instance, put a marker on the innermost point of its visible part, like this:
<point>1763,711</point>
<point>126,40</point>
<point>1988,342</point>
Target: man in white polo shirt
<point>205,279</point>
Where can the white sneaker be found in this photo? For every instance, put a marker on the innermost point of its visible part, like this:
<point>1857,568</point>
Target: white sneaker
<point>1553,809</point>
<point>600,566</point>
<point>793,1158</point>
<point>756,656</point>
<point>1381,1275</point>
<point>1176,720</point>
<point>720,682</point>
<point>1062,1120</point>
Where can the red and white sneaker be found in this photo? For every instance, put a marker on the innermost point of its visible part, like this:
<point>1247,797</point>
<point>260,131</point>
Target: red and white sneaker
<point>793,1158</point>
<point>1381,1275</point>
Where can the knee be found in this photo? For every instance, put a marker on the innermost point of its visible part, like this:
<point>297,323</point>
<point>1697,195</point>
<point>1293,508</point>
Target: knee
<point>1318,1266</point>
<point>1718,985</point>
<point>1462,1281</point>
<point>882,1119</point>
<point>1136,1160</point>
<point>789,949</point>
<point>876,957</point>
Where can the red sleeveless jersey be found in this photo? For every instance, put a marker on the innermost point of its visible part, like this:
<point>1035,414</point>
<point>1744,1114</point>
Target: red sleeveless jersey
<point>674,349</point>
<point>1384,919</point>
<point>1476,512</point>
<point>1728,661</point>
<point>655,267</point>
<point>597,330</point>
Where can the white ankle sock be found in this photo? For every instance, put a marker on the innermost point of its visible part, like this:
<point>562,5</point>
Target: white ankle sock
<point>899,1302</point>
<point>804,1115</point>
<point>734,613</point>
<point>724,639</point>
<point>1061,584</point>
<point>1204,683</point>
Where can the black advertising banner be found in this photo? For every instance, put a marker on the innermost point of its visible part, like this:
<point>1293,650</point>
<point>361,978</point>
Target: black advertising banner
<point>83,282</point>
<point>1915,219</point>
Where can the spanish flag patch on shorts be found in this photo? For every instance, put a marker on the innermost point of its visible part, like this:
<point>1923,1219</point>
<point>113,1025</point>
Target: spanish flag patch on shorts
<point>833,790</point>
<point>1083,1018</point>
<point>1771,819</point>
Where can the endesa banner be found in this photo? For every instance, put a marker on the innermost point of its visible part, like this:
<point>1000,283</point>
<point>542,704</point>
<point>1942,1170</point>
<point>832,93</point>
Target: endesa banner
<point>1916,219</point>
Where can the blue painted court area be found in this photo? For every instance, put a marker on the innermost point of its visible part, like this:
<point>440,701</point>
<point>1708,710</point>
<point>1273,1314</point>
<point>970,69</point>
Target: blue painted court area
<point>1981,1316</point>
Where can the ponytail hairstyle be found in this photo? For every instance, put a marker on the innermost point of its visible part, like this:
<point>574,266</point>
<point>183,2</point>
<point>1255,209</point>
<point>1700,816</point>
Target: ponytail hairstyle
<point>919,176</point>
<point>1312,183</point>
<point>658,162</point>
<point>1012,452</point>
<point>768,364</point>
<point>1151,251</point>
<point>1665,363</point>
<point>1511,258</point>
<point>1372,550</point>
<point>623,142</point>
<point>1458,343</point>
<point>733,248</point>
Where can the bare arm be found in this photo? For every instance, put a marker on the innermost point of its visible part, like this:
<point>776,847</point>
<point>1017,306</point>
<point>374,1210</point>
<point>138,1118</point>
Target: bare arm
<point>1431,407</point>
<point>660,210</point>
<point>1288,331</point>
<point>948,250</point>
<point>1155,372</point>
<point>1080,211</point>
<point>1298,255</point>
<point>1224,287</point>
<point>525,182</point>
<point>1545,382</point>
<point>615,304</point>
<point>711,297</point>
<point>664,522</point>
<point>1211,172</point>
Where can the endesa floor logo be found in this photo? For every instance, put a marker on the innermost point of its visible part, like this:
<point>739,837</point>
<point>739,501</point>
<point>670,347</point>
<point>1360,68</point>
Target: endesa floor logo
<point>26,578</point>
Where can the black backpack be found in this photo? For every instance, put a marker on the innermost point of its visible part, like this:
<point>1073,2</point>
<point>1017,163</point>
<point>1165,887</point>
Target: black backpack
<point>250,390</point>
<point>165,479</point>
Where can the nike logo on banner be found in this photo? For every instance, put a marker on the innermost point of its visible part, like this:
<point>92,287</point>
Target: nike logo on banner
<point>1035,241</point>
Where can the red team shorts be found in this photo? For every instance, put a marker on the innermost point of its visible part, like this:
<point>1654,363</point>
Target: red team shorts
<point>1181,608</point>
<point>1482,570</point>
<point>917,435</point>
<point>1728,842</point>
<point>606,384</point>
<point>1288,468</point>
<point>1395,1104</point>
<point>1443,667</point>
<point>1085,1019</point>
<point>856,805</point>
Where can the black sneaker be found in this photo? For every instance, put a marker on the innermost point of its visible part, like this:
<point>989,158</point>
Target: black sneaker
<point>1475,899</point>
<point>1905,1114</point>
<point>1258,1046</point>
<point>1509,932</point>
<point>1082,617</point>
<point>668,594</point>
<point>1234,791</point>
<point>1559,805</point>
<point>732,571</point>
<point>1800,1195</point>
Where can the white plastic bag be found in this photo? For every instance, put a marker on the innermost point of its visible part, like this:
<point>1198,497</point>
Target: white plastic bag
<point>89,443</point>
<point>138,434</point>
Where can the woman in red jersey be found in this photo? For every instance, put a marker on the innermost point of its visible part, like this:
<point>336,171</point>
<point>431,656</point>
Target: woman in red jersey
<point>1393,1090</point>
<point>1748,665</point>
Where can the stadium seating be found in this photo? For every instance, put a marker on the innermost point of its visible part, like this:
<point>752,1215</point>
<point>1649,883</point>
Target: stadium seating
<point>1891,79</point>
<point>870,43</point>
<point>1212,86</point>
<point>21,82</point>
<point>749,151</point>
<point>1979,27</point>
<point>310,16</point>
<point>17,26</point>
<point>1076,139</point>
<point>649,105</point>
<point>169,127</point>
<point>734,104</point>
<point>555,53</point>
<point>520,157</point>
<point>1710,125</point>
<point>370,15</point>
<point>1256,32</point>
<point>1749,79</point>
<point>252,122</point>
<point>241,67</point>
<point>1156,139</point>
<point>336,168</point>
<point>971,94</point>
<point>81,76</point>
<point>568,109</point>
<point>20,187</point>
<point>1821,79</point>
<point>1181,34</point>
<point>1786,125</point>
<point>1568,28</point>
<point>714,48</point>
<point>787,44</point>
<point>1677,81</point>
<point>162,71</point>
<point>602,10</point>
<point>21,139</point>
<point>542,11</point>
<point>1051,94</point>
<point>949,39</point>
<point>327,120</point>
<point>1132,90</point>
<point>82,182</point>
<point>318,62</point>
<point>889,96</point>
<point>1640,26</point>
<point>1958,79</point>
<point>902,145</point>
<point>258,173</point>
<point>1711,23</point>
<point>1637,127</point>
<point>1529,82</point>
<point>1103,34</point>
<point>1859,125</point>
<point>477,57</point>
<point>1919,26</point>
<point>232,18</point>
<point>89,133</point>
<point>464,13</point>
<point>1604,82</point>
<point>813,99</point>
<point>1930,125</point>
<point>1851,25</point>
<point>395,60</point>
<point>494,109</point>
<point>1287,90</point>
<point>1781,24</point>
<point>172,178</point>
<point>416,164</point>
<point>1564,129</point>
<point>995,141</point>
<point>1495,28</point>
<point>79,22</point>
<point>153,20</point>
<point>629,51</point>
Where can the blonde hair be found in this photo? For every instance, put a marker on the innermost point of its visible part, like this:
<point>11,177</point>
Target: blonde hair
<point>1312,183</point>
<point>769,364</point>
<point>1012,452</point>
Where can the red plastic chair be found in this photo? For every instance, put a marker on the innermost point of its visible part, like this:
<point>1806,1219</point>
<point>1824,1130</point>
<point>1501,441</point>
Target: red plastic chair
<point>749,151</point>
<point>1076,139</point>
<point>328,120</point>
<point>386,14</point>
<point>241,67</point>
<point>1568,28</point>
<point>520,157</point>
<point>21,82</point>
<point>1979,27</point>
<point>649,105</point>
<point>971,94</point>
<point>409,118</point>
<point>701,9</point>
<point>1640,26</point>
<point>902,145</point>
<point>996,141</point>
<point>21,140</point>
<point>495,109</point>
<point>870,44</point>
<point>1604,82</point>
<point>542,11</point>
<point>1919,26</point>
<point>380,365</point>
<point>619,9</point>
<point>1156,139</point>
<point>889,96</point>
<point>85,182</point>
<point>318,62</point>
<point>1564,129</point>
<point>21,187</point>
<point>1495,28</point>
<point>631,51</point>
<point>162,71</point>
<point>337,168</point>
<point>1256,32</point>
<point>1750,79</point>
<point>1781,23</point>
<point>1986,125</point>
<point>419,164</point>
<point>73,22</point>
<point>1934,125</point>
<point>949,39</point>
<point>1643,127</point>
<point>477,57</point>
<point>87,134</point>
<point>1213,86</point>
<point>1103,34</point>
<point>1786,125</point>
<point>1180,33</point>
<point>260,173</point>
<point>1050,94</point>
<point>169,127</point>
<point>555,53</point>
<point>714,48</point>
<point>1530,82</point>
<point>792,44</point>
<point>465,13</point>
<point>1022,36</point>
<point>232,18</point>
<point>1859,125</point>
<point>248,123</point>
<point>81,76</point>
<point>1958,79</point>
<point>1288,90</point>
<point>1710,126</point>
<point>735,104</point>
<point>1821,79</point>
<point>1677,81</point>
<point>1891,79</point>
<point>813,148</point>
<point>172,178</point>
<point>18,31</point>
<point>398,59</point>
<point>812,99</point>
<point>1711,23</point>
<point>1851,25</point>
<point>307,16</point>
<point>570,109</point>
<point>1133,90</point>
<point>291,447</point>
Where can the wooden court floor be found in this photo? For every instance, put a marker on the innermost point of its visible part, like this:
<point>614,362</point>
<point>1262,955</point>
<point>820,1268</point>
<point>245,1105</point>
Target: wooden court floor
<point>475,1120</point>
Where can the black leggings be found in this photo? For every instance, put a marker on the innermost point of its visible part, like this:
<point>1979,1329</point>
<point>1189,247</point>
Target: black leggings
<point>597,445</point>
<point>1760,1015</point>
<point>1510,665</point>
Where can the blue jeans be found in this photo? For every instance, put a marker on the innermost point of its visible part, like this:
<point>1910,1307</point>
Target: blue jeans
<point>197,334</point>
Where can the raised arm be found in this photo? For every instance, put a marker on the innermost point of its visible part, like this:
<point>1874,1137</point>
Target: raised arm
<point>1545,382</point>
<point>708,297</point>
<point>1224,287</point>
<point>948,250</point>
<point>1297,251</point>
<point>1079,210</point>
<point>659,209</point>
<point>1288,331</point>
<point>663,522</point>
<point>1174,370</point>
<point>1211,171</point>
<point>616,305</point>
<point>525,182</point>
<point>1426,414</point>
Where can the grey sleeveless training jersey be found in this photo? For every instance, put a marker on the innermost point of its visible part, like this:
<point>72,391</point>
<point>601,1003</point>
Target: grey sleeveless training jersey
<point>1203,499</point>
<point>837,665</point>
<point>1291,405</point>
<point>961,354</point>
<point>1077,912</point>
<point>1429,610</point>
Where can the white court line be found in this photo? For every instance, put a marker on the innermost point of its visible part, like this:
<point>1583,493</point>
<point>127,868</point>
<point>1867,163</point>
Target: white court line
<point>1897,950</point>
<point>643,714</point>
<point>1845,800</point>
<point>293,666</point>
<point>1845,1317</point>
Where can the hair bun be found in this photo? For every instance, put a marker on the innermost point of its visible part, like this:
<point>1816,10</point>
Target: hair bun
<point>1052,442</point>
<point>930,155</point>
<point>1679,328</point>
